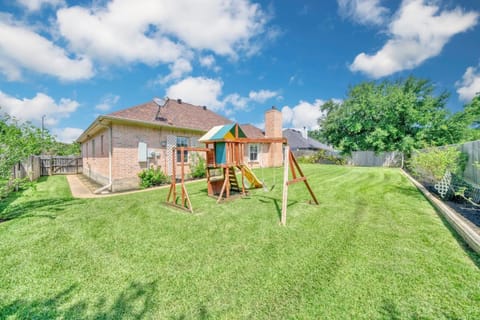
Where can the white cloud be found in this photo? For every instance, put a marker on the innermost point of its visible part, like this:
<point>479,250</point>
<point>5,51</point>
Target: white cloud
<point>419,32</point>
<point>199,91</point>
<point>241,103</point>
<point>179,68</point>
<point>34,5</point>
<point>366,12</point>
<point>67,135</point>
<point>304,114</point>
<point>469,86</point>
<point>152,31</point>
<point>107,102</point>
<point>121,32</point>
<point>262,95</point>
<point>21,48</point>
<point>33,109</point>
<point>207,61</point>
<point>237,101</point>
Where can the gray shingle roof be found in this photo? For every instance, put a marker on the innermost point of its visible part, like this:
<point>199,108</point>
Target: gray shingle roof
<point>296,141</point>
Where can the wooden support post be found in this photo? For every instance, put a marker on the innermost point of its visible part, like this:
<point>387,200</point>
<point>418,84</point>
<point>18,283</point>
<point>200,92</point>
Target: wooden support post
<point>182,172</point>
<point>242,169</point>
<point>173,182</point>
<point>225,181</point>
<point>305,180</point>
<point>285,186</point>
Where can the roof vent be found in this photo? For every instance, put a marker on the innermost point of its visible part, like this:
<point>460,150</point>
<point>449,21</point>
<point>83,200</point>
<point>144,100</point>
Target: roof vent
<point>204,107</point>
<point>179,101</point>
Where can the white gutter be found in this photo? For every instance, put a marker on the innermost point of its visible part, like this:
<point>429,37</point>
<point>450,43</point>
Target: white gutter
<point>109,185</point>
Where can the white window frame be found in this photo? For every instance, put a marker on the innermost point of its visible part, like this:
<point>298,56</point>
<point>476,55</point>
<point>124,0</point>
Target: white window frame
<point>185,159</point>
<point>250,153</point>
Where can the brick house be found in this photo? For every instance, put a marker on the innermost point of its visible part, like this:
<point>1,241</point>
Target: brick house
<point>119,145</point>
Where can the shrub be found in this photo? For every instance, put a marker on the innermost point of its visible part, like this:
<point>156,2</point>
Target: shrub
<point>432,164</point>
<point>306,159</point>
<point>198,167</point>
<point>322,156</point>
<point>19,184</point>
<point>152,177</point>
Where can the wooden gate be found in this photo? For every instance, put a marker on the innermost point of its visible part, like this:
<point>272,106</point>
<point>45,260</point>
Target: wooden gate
<point>60,165</point>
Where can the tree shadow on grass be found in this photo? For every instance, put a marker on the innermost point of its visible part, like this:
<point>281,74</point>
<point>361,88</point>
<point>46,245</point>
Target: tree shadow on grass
<point>202,314</point>
<point>11,209</point>
<point>389,310</point>
<point>132,303</point>
<point>42,208</point>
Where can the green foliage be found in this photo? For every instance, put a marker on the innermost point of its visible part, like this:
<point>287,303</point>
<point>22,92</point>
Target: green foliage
<point>152,177</point>
<point>390,116</point>
<point>198,167</point>
<point>322,156</point>
<point>468,121</point>
<point>64,149</point>
<point>18,141</point>
<point>431,164</point>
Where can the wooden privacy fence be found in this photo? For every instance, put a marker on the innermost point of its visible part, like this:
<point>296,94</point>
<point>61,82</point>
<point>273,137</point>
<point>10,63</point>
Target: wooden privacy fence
<point>52,165</point>
<point>29,168</point>
<point>472,169</point>
<point>371,159</point>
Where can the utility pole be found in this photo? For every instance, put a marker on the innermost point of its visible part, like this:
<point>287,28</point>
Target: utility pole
<point>43,124</point>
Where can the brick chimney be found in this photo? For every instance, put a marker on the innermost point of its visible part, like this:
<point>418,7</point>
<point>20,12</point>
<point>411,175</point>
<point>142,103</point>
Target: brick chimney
<point>273,129</point>
<point>273,123</point>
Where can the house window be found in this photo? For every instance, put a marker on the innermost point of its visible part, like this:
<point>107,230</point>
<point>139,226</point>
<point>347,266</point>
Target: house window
<point>182,142</point>
<point>101,144</point>
<point>253,152</point>
<point>93,148</point>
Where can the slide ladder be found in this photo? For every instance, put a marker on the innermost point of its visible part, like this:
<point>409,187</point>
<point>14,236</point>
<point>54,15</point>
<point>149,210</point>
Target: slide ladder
<point>251,177</point>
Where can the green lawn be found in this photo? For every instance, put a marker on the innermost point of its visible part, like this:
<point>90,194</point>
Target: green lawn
<point>373,249</point>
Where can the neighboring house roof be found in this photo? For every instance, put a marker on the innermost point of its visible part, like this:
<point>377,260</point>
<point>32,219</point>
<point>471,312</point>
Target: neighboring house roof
<point>297,141</point>
<point>251,131</point>
<point>224,132</point>
<point>172,113</point>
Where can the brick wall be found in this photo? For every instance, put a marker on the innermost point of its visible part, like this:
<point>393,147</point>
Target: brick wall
<point>95,157</point>
<point>125,164</point>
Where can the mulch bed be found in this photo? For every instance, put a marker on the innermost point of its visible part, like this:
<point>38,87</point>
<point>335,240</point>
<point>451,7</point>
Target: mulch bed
<point>466,211</point>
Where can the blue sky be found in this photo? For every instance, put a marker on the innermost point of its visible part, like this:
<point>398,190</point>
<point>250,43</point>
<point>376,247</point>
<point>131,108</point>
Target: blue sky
<point>74,60</point>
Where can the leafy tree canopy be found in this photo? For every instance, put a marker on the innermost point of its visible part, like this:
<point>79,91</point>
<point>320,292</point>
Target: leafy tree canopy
<point>20,140</point>
<point>387,116</point>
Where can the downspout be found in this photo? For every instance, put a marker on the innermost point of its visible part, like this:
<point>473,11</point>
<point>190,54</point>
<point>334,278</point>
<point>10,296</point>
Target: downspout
<point>109,185</point>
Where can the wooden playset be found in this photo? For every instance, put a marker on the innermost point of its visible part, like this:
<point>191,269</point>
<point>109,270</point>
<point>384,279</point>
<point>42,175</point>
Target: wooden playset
<point>225,149</point>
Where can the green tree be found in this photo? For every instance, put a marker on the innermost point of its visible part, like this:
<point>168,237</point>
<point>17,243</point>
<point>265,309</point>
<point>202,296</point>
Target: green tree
<point>18,141</point>
<point>64,149</point>
<point>468,120</point>
<point>387,116</point>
